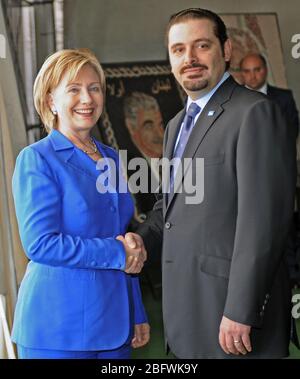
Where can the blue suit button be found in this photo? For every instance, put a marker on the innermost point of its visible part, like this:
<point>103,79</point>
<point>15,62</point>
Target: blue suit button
<point>105,264</point>
<point>93,263</point>
<point>113,209</point>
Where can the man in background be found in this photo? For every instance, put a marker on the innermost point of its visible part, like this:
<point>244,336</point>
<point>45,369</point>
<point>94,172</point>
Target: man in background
<point>254,72</point>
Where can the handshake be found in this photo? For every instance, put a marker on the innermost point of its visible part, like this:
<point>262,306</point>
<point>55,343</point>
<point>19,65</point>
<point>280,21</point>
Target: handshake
<point>136,253</point>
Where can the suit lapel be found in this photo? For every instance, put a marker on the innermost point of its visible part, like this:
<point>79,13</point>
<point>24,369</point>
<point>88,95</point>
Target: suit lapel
<point>206,120</point>
<point>67,152</point>
<point>202,126</point>
<point>173,130</point>
<point>82,166</point>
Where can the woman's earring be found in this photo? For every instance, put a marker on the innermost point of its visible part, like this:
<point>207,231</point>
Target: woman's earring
<point>54,111</point>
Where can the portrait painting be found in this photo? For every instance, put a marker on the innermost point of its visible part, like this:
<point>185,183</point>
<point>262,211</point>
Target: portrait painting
<point>140,100</point>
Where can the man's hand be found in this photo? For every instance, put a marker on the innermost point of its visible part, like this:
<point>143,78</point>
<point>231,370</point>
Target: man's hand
<point>234,337</point>
<point>141,335</point>
<point>135,240</point>
<point>135,255</point>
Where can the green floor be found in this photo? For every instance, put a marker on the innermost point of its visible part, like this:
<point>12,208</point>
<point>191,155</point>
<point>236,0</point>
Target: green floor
<point>155,349</point>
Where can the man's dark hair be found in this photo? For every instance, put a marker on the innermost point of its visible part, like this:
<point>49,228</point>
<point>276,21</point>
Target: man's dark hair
<point>199,13</point>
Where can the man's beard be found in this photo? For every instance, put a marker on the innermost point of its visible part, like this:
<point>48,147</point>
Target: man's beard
<point>197,85</point>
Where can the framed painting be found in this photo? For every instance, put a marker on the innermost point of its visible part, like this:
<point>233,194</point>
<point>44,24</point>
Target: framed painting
<point>256,32</point>
<point>140,100</point>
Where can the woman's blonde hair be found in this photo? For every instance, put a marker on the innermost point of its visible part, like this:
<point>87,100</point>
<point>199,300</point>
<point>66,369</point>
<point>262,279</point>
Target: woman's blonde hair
<point>68,61</point>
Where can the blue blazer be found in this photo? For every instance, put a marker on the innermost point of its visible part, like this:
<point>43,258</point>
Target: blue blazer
<point>75,294</point>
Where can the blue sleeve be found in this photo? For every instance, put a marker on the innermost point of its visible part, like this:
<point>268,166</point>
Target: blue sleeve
<point>139,310</point>
<point>38,205</point>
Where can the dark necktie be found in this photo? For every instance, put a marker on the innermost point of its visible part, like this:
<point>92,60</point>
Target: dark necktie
<point>186,129</point>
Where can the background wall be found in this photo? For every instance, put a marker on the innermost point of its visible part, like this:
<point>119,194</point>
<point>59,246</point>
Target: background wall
<point>133,30</point>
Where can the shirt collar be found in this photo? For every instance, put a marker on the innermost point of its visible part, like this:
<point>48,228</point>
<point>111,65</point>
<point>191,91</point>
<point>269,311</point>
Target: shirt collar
<point>262,89</point>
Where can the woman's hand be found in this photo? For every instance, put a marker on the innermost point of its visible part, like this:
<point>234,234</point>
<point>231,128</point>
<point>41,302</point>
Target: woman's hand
<point>135,256</point>
<point>141,335</point>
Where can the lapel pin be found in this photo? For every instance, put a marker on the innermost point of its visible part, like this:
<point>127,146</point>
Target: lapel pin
<point>210,113</point>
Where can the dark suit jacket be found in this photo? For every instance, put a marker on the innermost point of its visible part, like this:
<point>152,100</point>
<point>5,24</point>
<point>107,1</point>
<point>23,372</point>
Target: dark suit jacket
<point>224,255</point>
<point>284,98</point>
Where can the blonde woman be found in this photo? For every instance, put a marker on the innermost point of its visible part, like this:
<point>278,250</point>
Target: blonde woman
<point>79,297</point>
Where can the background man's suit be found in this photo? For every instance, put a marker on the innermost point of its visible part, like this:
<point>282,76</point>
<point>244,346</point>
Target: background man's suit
<point>284,98</point>
<point>224,256</point>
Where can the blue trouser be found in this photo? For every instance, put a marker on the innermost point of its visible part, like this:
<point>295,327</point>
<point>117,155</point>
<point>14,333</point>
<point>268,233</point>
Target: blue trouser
<point>123,352</point>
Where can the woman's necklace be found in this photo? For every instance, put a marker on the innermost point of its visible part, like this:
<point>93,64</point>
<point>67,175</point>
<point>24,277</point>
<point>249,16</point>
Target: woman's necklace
<point>94,146</point>
<point>95,149</point>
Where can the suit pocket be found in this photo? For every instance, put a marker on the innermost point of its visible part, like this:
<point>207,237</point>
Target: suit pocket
<point>214,160</point>
<point>216,266</point>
